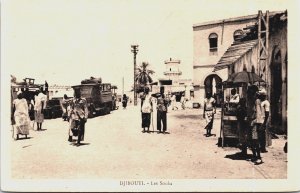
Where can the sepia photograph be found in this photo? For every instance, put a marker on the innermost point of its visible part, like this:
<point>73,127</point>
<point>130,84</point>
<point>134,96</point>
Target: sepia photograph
<point>149,96</point>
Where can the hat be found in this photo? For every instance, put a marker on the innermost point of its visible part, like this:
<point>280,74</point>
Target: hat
<point>262,91</point>
<point>19,92</point>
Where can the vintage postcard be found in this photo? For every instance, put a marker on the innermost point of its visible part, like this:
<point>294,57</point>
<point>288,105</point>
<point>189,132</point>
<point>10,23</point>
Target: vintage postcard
<point>149,96</point>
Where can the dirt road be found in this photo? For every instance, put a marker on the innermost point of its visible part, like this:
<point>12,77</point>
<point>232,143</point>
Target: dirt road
<point>115,147</point>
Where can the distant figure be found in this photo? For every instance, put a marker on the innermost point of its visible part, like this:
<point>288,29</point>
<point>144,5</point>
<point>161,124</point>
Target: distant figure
<point>78,113</point>
<point>146,109</point>
<point>46,87</point>
<point>39,106</point>
<point>173,102</point>
<point>20,115</point>
<point>208,113</point>
<point>183,101</point>
<point>162,106</point>
<point>65,104</point>
<point>124,101</point>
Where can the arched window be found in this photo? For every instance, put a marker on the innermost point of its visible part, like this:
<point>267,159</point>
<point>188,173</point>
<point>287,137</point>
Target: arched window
<point>237,34</point>
<point>213,42</point>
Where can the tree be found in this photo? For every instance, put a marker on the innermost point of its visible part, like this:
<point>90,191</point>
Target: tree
<point>143,77</point>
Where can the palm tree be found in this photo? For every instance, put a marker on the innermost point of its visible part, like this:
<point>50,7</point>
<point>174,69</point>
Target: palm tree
<point>143,77</point>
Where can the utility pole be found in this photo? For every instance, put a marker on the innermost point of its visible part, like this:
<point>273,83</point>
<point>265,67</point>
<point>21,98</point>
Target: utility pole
<point>134,50</point>
<point>123,86</point>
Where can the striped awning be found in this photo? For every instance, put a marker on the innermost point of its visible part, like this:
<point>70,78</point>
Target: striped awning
<point>236,51</point>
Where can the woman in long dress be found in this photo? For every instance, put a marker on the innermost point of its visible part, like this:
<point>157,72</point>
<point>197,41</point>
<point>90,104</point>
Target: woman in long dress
<point>21,115</point>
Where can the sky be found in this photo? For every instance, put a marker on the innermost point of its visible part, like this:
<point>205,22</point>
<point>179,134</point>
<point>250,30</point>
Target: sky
<point>66,41</point>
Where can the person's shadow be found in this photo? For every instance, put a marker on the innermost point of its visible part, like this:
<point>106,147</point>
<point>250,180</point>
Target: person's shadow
<point>239,156</point>
<point>81,144</point>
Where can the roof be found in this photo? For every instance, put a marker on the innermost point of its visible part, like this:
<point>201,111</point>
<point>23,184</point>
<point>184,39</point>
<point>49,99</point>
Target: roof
<point>247,41</point>
<point>235,52</point>
<point>234,19</point>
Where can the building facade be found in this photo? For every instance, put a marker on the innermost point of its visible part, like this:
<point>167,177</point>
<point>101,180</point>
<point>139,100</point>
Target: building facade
<point>211,40</point>
<point>243,55</point>
<point>172,83</point>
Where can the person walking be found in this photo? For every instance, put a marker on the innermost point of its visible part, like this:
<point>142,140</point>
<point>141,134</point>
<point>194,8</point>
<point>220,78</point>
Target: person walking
<point>78,113</point>
<point>39,106</point>
<point>65,104</point>
<point>124,101</point>
<point>208,112</point>
<point>161,113</point>
<point>20,116</point>
<point>265,109</point>
<point>146,109</point>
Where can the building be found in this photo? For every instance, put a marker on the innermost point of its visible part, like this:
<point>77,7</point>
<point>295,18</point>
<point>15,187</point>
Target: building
<point>263,50</point>
<point>211,40</point>
<point>58,91</point>
<point>171,83</point>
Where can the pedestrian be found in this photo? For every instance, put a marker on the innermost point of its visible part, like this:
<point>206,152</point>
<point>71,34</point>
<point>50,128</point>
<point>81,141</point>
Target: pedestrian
<point>78,113</point>
<point>20,116</point>
<point>255,125</point>
<point>162,106</point>
<point>65,104</point>
<point>39,106</point>
<point>124,101</point>
<point>264,113</point>
<point>146,109</point>
<point>242,126</point>
<point>182,101</point>
<point>173,102</point>
<point>208,112</point>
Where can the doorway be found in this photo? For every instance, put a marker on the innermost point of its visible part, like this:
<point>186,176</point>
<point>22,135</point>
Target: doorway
<point>213,85</point>
<point>276,90</point>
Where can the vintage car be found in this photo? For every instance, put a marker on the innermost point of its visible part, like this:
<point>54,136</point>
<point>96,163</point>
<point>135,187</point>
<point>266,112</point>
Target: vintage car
<point>53,109</point>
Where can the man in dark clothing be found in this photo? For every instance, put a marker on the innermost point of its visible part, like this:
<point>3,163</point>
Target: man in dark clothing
<point>162,106</point>
<point>78,116</point>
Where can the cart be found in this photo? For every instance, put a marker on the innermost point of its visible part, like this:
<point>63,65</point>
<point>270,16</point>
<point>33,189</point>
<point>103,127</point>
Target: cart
<point>229,122</point>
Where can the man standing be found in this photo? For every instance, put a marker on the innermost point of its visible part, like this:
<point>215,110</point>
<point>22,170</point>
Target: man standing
<point>208,112</point>
<point>162,106</point>
<point>78,116</point>
<point>265,109</point>
<point>146,108</point>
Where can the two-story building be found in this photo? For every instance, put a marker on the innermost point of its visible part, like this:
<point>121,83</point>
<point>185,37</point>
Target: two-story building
<point>211,40</point>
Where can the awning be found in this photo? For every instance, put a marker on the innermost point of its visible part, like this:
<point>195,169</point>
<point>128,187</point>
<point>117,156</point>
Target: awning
<point>236,51</point>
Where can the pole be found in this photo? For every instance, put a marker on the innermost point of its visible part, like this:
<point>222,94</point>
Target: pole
<point>123,86</point>
<point>134,50</point>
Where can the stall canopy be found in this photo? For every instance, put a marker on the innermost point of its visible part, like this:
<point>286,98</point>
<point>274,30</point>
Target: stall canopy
<point>236,51</point>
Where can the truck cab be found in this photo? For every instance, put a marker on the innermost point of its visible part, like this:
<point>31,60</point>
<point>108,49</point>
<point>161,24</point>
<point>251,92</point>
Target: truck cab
<point>98,97</point>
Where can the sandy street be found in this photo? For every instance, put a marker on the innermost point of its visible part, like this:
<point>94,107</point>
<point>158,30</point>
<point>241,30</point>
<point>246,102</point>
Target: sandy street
<point>115,147</point>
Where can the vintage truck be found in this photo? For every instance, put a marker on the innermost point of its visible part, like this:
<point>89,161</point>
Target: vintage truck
<point>98,95</point>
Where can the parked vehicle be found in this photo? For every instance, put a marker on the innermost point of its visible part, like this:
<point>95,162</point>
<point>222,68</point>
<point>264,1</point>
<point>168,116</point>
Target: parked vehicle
<point>98,95</point>
<point>53,109</point>
<point>29,88</point>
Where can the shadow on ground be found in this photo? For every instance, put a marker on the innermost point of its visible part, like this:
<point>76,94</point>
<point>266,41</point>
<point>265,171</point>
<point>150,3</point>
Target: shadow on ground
<point>239,156</point>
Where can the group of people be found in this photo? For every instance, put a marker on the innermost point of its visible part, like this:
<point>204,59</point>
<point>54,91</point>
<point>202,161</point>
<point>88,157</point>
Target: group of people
<point>147,108</point>
<point>252,118</point>
<point>22,107</point>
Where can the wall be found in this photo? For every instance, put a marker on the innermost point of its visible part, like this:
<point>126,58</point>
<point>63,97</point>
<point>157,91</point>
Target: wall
<point>203,61</point>
<point>277,39</point>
